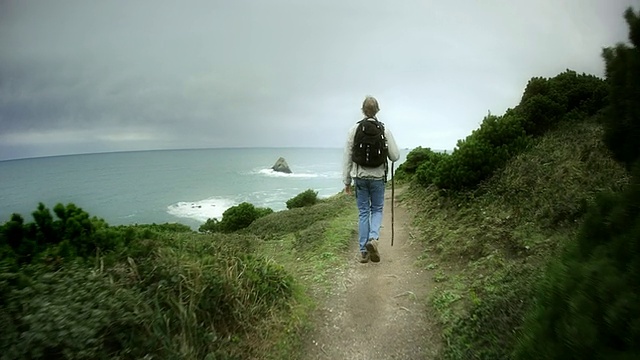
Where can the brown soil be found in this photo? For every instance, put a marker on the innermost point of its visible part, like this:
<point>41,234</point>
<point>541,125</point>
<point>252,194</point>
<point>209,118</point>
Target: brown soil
<point>379,310</point>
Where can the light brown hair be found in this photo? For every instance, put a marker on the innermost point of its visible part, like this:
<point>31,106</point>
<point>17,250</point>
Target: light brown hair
<point>370,106</point>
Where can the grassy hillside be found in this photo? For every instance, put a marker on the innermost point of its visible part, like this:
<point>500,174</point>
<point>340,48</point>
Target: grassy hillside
<point>76,288</point>
<point>488,247</point>
<point>533,222</point>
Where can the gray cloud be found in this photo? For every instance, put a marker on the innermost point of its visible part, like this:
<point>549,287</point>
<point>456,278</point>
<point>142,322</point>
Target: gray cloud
<point>78,76</point>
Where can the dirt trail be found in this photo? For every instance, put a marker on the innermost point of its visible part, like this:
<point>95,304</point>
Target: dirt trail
<point>378,310</point>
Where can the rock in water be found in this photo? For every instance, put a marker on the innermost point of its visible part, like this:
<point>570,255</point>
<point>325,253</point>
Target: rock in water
<point>281,166</point>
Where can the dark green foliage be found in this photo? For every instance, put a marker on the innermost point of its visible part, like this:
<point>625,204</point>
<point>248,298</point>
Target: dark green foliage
<point>552,182</point>
<point>72,313</point>
<point>424,164</point>
<point>504,233</point>
<point>235,218</point>
<point>183,299</point>
<point>162,228</point>
<point>481,153</point>
<point>539,113</point>
<point>72,234</point>
<point>545,103</point>
<point>416,157</point>
<point>305,198</point>
<point>622,122</point>
<point>162,292</point>
<point>587,304</point>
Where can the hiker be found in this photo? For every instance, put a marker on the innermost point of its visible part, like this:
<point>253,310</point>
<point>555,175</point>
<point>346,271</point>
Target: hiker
<point>369,145</point>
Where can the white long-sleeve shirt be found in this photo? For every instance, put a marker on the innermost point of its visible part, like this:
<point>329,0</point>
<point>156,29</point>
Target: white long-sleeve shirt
<point>351,170</point>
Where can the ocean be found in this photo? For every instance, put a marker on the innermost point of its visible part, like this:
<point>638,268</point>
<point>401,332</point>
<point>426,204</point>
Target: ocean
<point>160,186</point>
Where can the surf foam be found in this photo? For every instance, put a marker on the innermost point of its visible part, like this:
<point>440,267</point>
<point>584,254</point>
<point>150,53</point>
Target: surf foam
<point>272,173</point>
<point>201,210</point>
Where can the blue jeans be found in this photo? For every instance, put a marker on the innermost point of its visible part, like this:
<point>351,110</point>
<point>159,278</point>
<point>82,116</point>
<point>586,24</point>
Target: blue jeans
<point>370,199</point>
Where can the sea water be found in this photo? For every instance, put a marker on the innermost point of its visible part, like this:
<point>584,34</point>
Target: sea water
<point>176,186</point>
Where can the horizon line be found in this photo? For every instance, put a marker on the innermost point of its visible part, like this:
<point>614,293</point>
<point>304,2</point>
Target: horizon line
<point>171,149</point>
<point>183,149</point>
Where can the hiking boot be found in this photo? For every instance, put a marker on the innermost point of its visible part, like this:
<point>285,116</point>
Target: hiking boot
<point>364,257</point>
<point>372,249</point>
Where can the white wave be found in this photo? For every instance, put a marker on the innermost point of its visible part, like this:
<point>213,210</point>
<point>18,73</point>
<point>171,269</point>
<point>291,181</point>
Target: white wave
<point>201,210</point>
<point>272,173</point>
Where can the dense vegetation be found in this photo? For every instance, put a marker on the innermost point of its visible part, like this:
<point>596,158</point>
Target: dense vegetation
<point>552,184</point>
<point>241,216</point>
<point>73,287</point>
<point>305,198</point>
<point>588,301</point>
<point>567,97</point>
<point>235,218</point>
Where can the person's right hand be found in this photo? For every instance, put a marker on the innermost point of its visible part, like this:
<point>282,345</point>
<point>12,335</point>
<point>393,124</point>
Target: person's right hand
<point>347,189</point>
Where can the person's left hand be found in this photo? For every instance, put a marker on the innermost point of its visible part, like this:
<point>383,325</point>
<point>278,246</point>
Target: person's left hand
<point>347,189</point>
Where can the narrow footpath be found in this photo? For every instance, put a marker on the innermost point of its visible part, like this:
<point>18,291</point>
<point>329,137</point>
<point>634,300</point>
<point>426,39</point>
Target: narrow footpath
<point>379,310</point>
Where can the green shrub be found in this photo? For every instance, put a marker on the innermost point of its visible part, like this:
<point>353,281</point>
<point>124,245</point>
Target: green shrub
<point>622,120</point>
<point>235,218</point>
<point>565,92</point>
<point>415,158</point>
<point>427,169</point>
<point>481,153</point>
<point>535,86</point>
<point>185,298</point>
<point>551,182</point>
<point>544,104</point>
<point>305,198</point>
<point>73,234</point>
<point>73,313</point>
<point>539,114</point>
<point>587,303</point>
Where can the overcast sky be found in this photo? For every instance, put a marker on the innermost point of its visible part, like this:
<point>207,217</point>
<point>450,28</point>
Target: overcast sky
<point>92,76</point>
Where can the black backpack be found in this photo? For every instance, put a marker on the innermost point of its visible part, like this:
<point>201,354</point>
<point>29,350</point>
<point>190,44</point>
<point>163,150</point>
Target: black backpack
<point>369,144</point>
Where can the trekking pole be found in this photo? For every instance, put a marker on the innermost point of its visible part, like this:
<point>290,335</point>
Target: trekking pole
<point>392,197</point>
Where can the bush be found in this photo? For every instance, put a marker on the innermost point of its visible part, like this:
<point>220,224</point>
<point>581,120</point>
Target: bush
<point>183,299</point>
<point>306,198</point>
<point>539,114</point>
<point>622,120</point>
<point>481,153</point>
<point>235,218</point>
<point>587,303</point>
<point>73,234</point>
<point>415,158</point>
<point>544,104</point>
<point>426,172</point>
<point>73,313</point>
<point>566,92</point>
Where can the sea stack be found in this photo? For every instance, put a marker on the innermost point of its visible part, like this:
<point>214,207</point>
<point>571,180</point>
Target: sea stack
<point>281,166</point>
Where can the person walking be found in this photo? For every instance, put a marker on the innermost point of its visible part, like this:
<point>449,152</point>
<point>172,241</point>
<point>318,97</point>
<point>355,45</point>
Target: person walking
<point>370,144</point>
